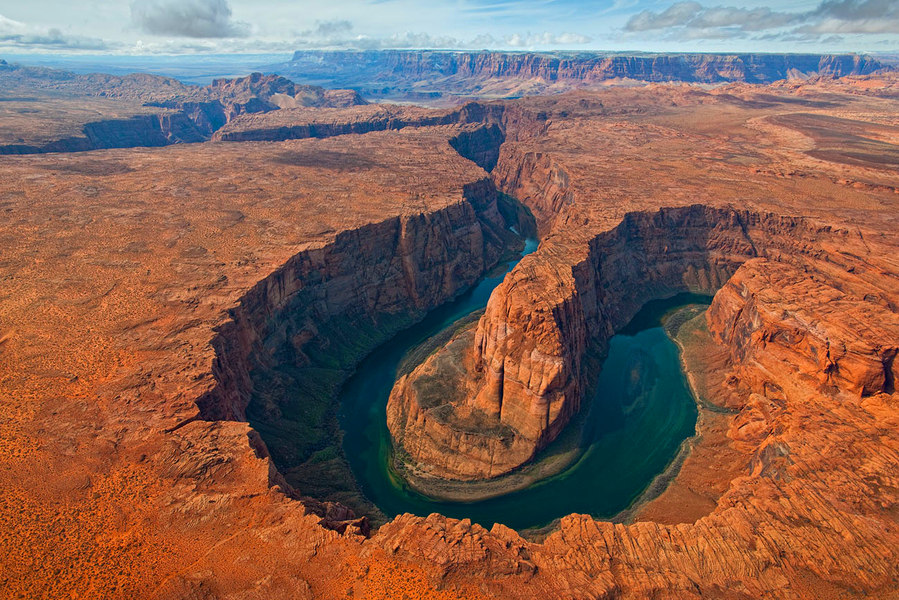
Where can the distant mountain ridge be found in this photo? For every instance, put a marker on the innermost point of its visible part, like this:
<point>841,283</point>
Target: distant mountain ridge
<point>156,89</point>
<point>432,73</point>
<point>147,110</point>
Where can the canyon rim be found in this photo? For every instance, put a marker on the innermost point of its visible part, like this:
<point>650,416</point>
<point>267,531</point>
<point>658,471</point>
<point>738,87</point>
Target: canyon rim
<point>193,275</point>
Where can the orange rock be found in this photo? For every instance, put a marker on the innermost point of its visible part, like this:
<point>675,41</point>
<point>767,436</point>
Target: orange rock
<point>120,268</point>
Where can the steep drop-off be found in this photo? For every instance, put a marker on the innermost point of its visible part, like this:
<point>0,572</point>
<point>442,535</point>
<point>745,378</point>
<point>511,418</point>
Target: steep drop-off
<point>319,123</point>
<point>511,393</point>
<point>297,335</point>
<point>538,181</point>
<point>398,268</point>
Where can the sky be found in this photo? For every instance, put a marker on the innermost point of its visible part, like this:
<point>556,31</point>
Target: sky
<point>142,27</point>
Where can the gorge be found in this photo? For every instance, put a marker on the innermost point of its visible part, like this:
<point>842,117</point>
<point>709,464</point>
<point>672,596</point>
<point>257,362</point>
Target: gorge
<point>522,369</point>
<point>178,323</point>
<point>627,437</point>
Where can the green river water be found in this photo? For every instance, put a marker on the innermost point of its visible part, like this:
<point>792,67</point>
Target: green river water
<point>638,416</point>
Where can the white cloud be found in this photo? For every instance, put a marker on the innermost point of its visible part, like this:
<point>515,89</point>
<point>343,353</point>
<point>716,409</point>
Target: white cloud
<point>8,26</point>
<point>339,34</point>
<point>18,35</point>
<point>691,20</point>
<point>678,14</point>
<point>530,40</point>
<point>187,18</point>
<point>328,29</point>
<point>854,16</point>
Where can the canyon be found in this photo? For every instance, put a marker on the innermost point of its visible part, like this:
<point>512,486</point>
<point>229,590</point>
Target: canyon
<point>175,323</point>
<point>517,385</point>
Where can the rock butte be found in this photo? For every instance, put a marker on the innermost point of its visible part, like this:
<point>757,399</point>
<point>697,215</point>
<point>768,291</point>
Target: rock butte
<point>144,288</point>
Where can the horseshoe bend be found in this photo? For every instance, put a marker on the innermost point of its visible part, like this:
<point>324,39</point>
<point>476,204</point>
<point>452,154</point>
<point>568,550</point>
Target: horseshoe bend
<point>185,316</point>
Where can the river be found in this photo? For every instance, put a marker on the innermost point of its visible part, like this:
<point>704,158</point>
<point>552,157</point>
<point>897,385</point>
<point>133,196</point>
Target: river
<point>635,421</point>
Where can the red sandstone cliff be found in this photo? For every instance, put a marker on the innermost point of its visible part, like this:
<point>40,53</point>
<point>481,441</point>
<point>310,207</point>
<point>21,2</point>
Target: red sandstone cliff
<point>840,337</point>
<point>524,373</point>
<point>379,277</point>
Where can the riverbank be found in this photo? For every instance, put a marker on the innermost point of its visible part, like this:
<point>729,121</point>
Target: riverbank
<point>629,430</point>
<point>691,485</point>
<point>686,328</point>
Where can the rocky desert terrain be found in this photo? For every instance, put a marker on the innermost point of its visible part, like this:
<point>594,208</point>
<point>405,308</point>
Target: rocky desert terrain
<point>49,110</point>
<point>176,320</point>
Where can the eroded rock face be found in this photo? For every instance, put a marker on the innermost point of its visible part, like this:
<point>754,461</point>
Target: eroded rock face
<point>447,437</point>
<point>523,379</point>
<point>537,181</point>
<point>837,333</point>
<point>115,285</point>
<point>163,110</point>
<point>368,283</point>
<point>305,122</point>
<point>410,72</point>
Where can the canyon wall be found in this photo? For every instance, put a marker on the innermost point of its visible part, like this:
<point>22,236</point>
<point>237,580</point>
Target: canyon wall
<point>176,123</point>
<point>524,375</point>
<point>841,336</point>
<point>142,130</point>
<point>297,335</point>
<point>328,306</point>
<point>289,125</point>
<point>537,180</point>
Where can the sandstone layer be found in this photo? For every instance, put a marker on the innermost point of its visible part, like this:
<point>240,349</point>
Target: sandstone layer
<point>130,274</point>
<point>521,380</point>
<point>435,76</point>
